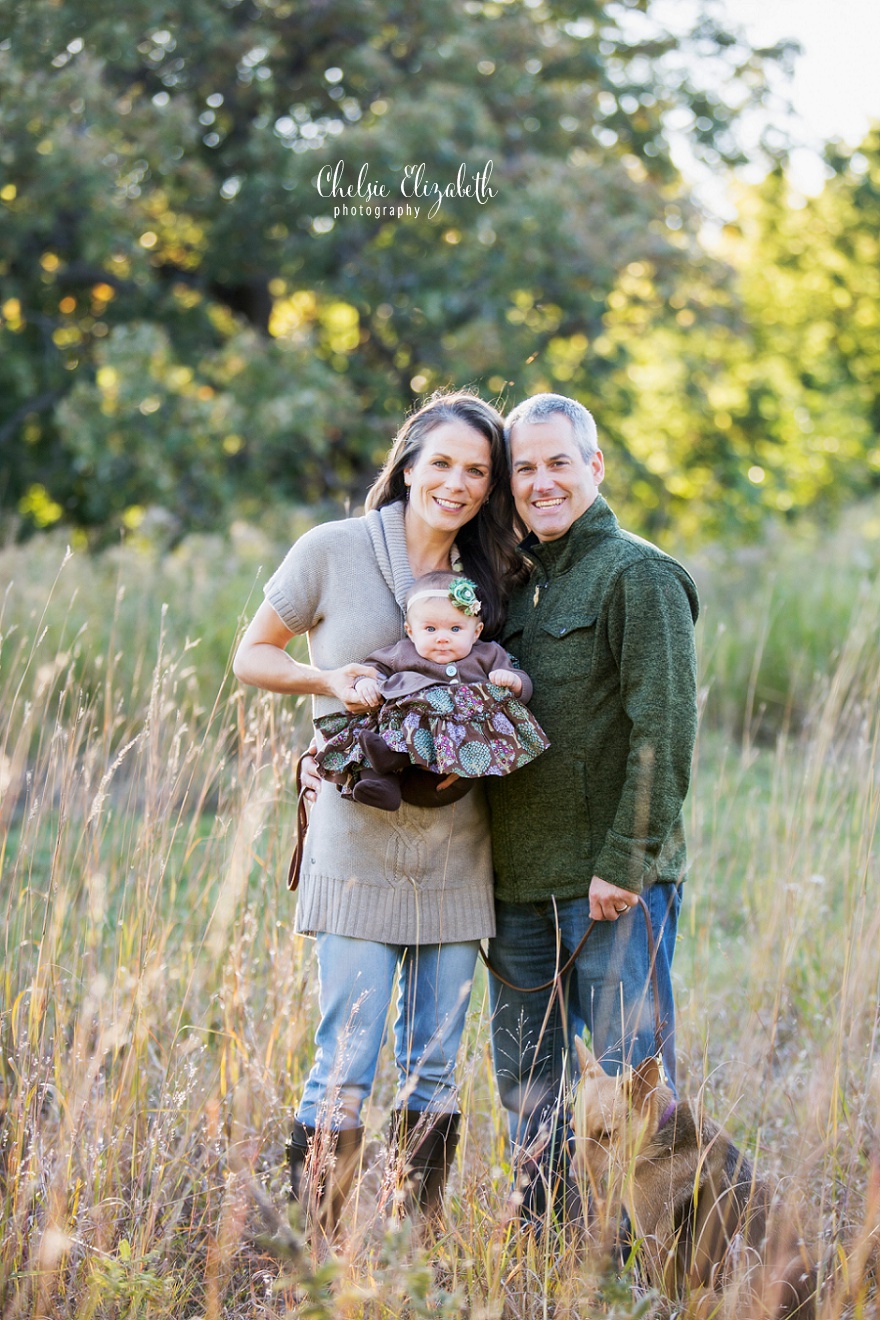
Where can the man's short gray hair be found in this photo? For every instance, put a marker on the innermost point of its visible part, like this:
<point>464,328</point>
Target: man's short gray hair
<point>541,407</point>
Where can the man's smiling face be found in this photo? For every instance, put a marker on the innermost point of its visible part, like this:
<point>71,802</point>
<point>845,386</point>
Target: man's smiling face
<point>552,482</point>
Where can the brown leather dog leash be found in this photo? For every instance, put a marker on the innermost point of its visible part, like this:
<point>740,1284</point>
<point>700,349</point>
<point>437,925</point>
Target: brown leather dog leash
<point>293,870</point>
<point>302,825</point>
<point>556,979</point>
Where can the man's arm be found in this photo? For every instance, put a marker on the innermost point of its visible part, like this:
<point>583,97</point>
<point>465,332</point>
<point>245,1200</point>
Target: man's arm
<point>651,634</point>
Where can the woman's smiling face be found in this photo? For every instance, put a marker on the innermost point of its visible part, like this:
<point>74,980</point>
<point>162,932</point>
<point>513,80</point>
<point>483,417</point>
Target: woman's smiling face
<point>450,478</point>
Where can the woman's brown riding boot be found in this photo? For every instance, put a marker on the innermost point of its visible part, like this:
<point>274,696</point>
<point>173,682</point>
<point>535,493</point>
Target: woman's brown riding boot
<point>423,1147</point>
<point>322,1165</point>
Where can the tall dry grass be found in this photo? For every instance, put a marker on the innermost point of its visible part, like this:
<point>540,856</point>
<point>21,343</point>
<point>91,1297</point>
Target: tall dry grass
<point>156,1014</point>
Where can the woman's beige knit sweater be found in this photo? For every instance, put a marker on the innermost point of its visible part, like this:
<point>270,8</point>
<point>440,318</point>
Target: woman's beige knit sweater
<point>414,876</point>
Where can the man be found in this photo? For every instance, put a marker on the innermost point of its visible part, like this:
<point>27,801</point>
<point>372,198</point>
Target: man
<point>604,627</point>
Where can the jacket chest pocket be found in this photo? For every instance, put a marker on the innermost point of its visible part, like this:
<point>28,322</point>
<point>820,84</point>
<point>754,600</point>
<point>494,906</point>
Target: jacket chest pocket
<point>568,644</point>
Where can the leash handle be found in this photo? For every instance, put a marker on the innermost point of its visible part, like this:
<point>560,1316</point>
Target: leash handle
<point>556,979</point>
<point>302,825</point>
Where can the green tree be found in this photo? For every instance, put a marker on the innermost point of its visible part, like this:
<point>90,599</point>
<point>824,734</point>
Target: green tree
<point>810,275</point>
<point>185,317</point>
<point>751,390</point>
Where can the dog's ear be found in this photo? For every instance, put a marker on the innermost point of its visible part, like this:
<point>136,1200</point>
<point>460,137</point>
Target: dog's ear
<point>645,1080</point>
<point>587,1061</point>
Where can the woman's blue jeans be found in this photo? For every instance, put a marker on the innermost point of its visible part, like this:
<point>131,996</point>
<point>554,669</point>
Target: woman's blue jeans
<point>608,991</point>
<point>358,980</point>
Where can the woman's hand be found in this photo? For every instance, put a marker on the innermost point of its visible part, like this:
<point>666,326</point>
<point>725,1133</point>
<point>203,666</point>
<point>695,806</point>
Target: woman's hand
<point>508,678</point>
<point>309,777</point>
<point>355,697</point>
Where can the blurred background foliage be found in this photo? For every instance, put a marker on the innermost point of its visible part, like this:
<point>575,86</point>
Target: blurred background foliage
<point>185,326</point>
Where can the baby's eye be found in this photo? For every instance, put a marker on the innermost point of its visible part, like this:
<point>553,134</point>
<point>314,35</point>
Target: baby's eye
<point>456,627</point>
<point>429,627</point>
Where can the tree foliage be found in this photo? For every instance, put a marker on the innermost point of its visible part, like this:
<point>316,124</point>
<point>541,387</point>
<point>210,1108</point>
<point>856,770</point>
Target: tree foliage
<point>758,393</point>
<point>811,283</point>
<point>187,321</point>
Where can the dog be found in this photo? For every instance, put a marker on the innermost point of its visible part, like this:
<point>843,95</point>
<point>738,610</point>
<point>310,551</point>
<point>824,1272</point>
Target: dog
<point>698,1211</point>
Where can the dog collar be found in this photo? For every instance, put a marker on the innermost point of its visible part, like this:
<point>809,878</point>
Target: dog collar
<point>667,1114</point>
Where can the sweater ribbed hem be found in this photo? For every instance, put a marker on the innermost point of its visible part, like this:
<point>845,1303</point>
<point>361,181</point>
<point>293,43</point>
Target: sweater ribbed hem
<point>393,914</point>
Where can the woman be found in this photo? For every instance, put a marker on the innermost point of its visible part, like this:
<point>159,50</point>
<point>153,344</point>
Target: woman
<point>401,897</point>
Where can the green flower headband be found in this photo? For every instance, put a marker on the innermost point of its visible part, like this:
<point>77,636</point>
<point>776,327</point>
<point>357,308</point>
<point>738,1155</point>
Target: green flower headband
<point>463,595</point>
<point>461,592</point>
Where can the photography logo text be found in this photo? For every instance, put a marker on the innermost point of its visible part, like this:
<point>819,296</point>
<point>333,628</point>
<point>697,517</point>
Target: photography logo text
<point>416,190</point>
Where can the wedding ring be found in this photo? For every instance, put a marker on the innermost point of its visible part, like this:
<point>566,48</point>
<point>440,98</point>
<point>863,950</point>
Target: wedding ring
<point>621,909</point>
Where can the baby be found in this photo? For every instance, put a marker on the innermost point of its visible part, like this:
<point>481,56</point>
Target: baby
<point>445,701</point>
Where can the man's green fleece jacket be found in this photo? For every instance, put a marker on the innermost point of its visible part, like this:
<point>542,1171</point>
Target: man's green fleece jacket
<point>604,627</point>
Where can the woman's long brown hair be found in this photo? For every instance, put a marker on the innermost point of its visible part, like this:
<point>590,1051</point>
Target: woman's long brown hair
<point>487,543</point>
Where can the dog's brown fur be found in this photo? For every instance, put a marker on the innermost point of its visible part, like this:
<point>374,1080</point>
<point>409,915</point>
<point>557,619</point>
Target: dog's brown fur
<point>696,1204</point>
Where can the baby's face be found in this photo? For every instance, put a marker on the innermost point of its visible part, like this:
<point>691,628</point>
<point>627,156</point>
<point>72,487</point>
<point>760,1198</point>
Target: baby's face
<point>439,631</point>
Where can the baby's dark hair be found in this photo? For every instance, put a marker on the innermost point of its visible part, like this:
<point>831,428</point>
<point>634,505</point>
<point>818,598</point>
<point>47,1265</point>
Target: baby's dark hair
<point>438,581</point>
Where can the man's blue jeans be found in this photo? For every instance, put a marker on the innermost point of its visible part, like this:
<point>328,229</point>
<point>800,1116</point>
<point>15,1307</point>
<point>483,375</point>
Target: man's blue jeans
<point>358,980</point>
<point>608,991</point>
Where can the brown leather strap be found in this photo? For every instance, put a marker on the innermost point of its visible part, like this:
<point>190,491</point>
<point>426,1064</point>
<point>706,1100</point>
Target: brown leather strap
<point>302,825</point>
<point>556,979</point>
<point>293,870</point>
<point>419,787</point>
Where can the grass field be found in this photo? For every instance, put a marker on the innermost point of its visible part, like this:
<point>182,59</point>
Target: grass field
<point>156,1014</point>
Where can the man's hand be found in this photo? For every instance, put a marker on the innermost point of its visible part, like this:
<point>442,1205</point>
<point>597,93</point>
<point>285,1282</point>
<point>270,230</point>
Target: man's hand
<point>608,902</point>
<point>508,678</point>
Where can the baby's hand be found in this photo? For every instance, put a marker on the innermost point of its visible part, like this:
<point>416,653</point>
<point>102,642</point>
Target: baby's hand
<point>342,685</point>
<point>368,691</point>
<point>507,678</point>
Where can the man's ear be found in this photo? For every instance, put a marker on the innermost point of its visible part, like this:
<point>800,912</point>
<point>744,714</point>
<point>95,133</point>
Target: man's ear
<point>589,1065</point>
<point>645,1081</point>
<point>597,466</point>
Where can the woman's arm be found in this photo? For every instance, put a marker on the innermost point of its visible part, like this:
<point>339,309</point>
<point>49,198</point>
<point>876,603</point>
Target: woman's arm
<point>262,661</point>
